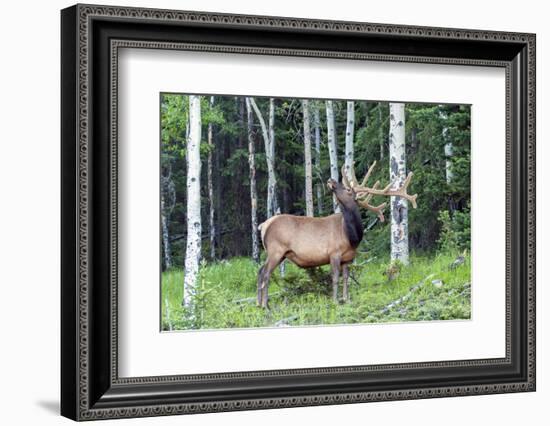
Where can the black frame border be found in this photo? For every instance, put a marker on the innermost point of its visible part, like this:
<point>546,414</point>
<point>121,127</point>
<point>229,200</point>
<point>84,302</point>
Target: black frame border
<point>90,387</point>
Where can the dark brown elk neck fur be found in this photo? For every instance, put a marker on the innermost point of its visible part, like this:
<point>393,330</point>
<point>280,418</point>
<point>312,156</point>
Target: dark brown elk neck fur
<point>353,226</point>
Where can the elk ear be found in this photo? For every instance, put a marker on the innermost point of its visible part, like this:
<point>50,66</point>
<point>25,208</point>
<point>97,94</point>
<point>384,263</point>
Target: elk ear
<point>353,193</point>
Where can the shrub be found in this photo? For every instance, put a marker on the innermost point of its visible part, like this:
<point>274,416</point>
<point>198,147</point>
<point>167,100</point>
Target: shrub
<point>455,231</point>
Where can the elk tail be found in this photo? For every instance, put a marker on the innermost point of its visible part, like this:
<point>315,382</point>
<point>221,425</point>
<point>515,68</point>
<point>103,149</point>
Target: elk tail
<point>263,229</point>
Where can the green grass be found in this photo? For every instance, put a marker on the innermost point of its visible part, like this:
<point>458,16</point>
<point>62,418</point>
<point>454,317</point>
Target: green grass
<point>226,295</point>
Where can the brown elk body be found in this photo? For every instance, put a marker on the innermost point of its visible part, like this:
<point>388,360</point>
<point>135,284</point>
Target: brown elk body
<point>309,241</point>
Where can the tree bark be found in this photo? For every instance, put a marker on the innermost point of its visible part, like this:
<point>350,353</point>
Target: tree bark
<point>165,235</point>
<point>398,166</point>
<point>193,249</point>
<point>448,162</point>
<point>317,132</point>
<point>348,155</point>
<point>253,194</point>
<point>332,149</point>
<point>167,202</point>
<point>448,148</point>
<point>269,145</point>
<point>381,130</point>
<point>271,176</point>
<point>218,182</point>
<point>212,225</point>
<point>307,159</point>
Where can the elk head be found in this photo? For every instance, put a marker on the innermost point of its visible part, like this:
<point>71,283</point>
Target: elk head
<point>362,193</point>
<point>344,194</point>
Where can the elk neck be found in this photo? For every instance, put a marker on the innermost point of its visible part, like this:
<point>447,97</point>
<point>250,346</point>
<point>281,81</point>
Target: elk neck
<point>353,226</point>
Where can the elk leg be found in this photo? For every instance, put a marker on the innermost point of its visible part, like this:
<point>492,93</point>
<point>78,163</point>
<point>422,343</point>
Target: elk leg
<point>271,263</point>
<point>335,265</point>
<point>259,296</point>
<point>345,274</point>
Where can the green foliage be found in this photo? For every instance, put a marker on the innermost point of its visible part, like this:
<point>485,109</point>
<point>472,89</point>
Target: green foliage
<point>393,270</point>
<point>427,289</point>
<point>429,128</point>
<point>296,282</point>
<point>455,230</point>
<point>174,114</point>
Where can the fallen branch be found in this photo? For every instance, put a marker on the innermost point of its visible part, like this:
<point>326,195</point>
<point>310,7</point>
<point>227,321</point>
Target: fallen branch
<point>355,266</point>
<point>363,263</point>
<point>285,321</point>
<point>406,296</point>
<point>352,276</point>
<point>371,225</point>
<point>252,299</point>
<point>245,300</point>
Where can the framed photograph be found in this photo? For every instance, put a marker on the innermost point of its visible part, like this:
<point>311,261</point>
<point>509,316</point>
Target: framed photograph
<point>263,212</point>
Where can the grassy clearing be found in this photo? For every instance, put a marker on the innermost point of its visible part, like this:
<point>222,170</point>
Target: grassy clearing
<point>226,295</point>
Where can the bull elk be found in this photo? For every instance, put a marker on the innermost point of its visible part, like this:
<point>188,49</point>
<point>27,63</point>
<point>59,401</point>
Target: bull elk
<point>314,241</point>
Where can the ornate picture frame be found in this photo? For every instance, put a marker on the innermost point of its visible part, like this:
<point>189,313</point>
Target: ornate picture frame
<point>90,39</point>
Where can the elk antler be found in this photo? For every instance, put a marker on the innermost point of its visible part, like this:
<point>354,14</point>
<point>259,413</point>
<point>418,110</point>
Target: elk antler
<point>364,193</point>
<point>379,210</point>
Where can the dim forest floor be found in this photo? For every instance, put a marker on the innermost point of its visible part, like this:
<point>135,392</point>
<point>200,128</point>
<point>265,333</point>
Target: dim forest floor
<point>428,289</point>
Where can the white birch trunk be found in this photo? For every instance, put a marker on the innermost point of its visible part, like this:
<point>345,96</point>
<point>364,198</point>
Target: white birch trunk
<point>269,146</point>
<point>318,185</point>
<point>253,194</point>
<point>165,235</point>
<point>307,159</point>
<point>350,124</point>
<point>271,176</point>
<point>193,249</point>
<point>167,203</point>
<point>212,225</point>
<point>448,148</point>
<point>398,173</point>
<point>448,162</point>
<point>381,130</point>
<point>332,149</point>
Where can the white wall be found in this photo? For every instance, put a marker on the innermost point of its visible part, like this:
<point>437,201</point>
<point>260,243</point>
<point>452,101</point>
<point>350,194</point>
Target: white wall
<point>29,225</point>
